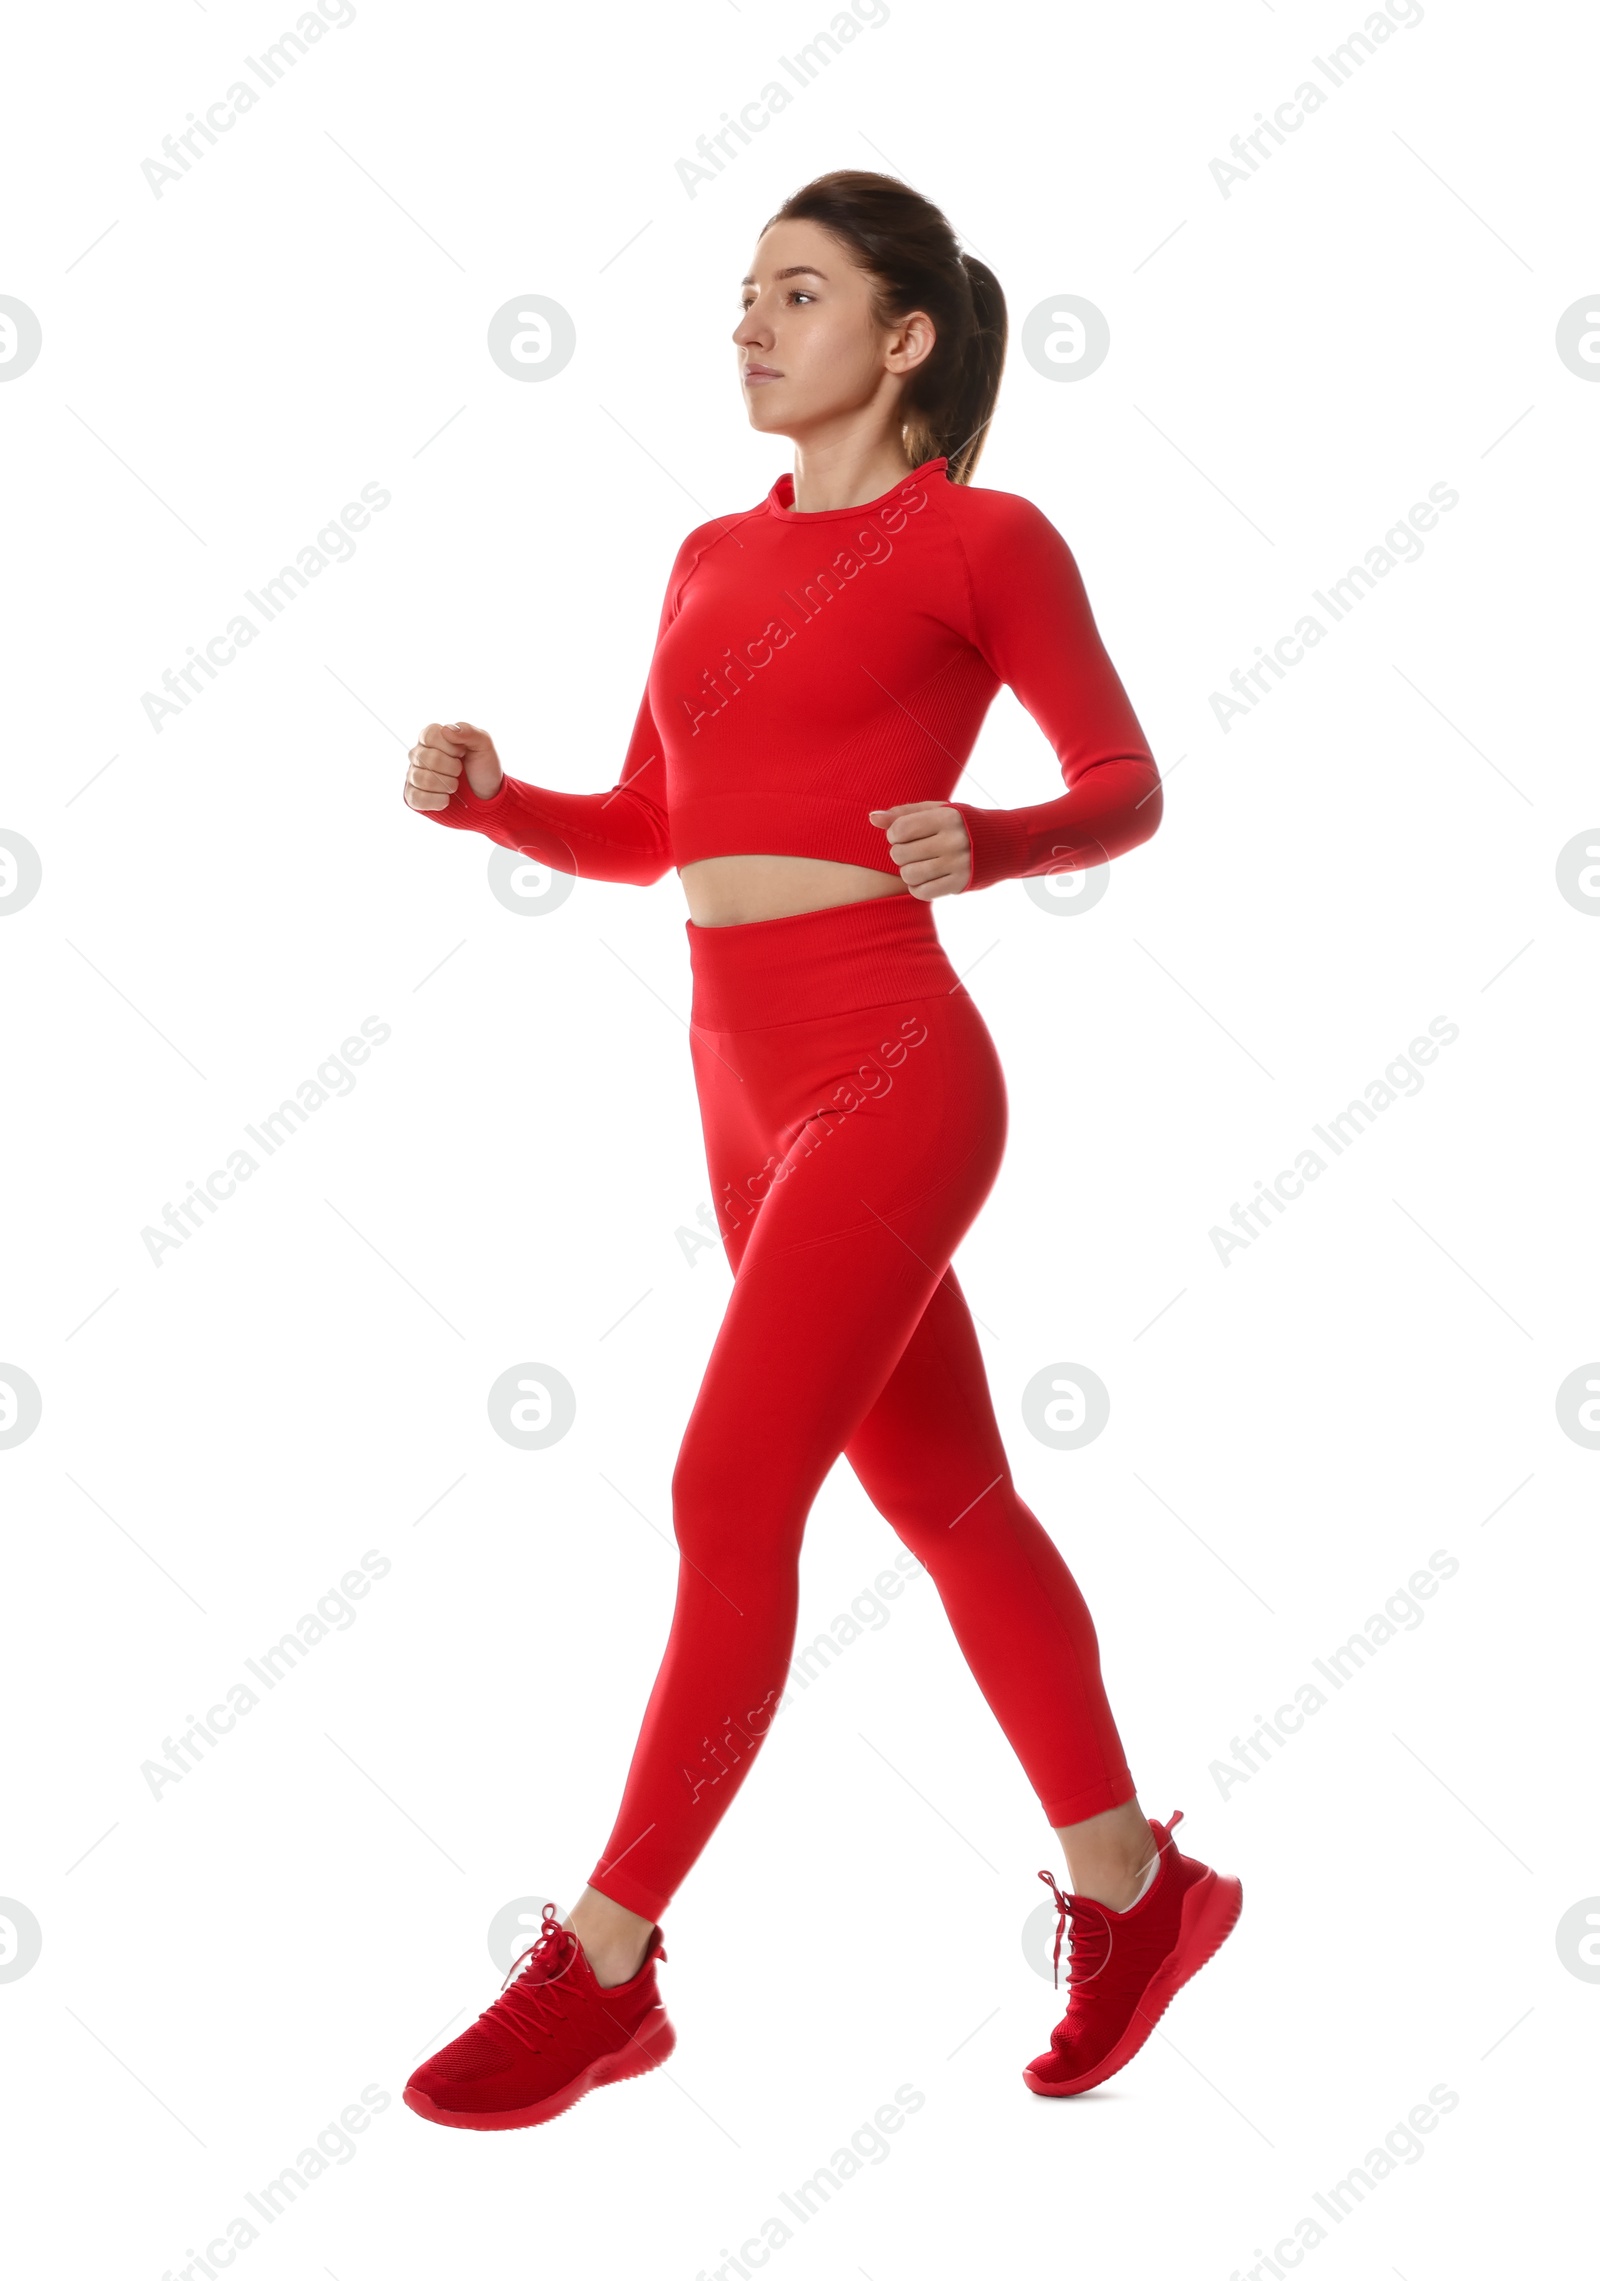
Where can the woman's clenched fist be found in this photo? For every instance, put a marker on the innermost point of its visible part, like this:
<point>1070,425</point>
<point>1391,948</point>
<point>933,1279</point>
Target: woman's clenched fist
<point>442,756</point>
<point>929,846</point>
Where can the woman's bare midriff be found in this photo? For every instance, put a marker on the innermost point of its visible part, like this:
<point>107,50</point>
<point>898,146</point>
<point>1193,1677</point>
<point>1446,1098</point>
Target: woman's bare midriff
<point>731,890</point>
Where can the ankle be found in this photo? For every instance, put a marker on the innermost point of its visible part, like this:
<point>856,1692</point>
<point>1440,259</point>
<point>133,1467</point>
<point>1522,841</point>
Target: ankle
<point>1142,1879</point>
<point>1118,1886</point>
<point>614,1938</point>
<point>611,1965</point>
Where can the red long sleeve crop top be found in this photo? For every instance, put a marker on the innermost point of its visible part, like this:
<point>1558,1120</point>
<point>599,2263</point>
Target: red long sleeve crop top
<point>809,667</point>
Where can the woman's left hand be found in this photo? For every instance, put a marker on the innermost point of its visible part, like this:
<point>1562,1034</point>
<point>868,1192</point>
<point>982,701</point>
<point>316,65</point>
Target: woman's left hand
<point>928,845</point>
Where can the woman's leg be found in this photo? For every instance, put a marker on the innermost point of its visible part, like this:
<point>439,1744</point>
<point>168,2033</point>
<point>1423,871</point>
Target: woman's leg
<point>930,1456</point>
<point>844,1229</point>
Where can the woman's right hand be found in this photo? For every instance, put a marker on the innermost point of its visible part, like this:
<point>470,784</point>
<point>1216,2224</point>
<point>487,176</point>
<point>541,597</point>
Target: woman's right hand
<point>440,757</point>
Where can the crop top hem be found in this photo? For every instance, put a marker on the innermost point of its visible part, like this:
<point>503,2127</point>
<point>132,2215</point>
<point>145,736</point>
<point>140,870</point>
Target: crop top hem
<point>828,830</point>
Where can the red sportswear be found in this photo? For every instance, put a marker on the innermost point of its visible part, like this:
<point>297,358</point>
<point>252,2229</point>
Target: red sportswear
<point>810,667</point>
<point>807,669</point>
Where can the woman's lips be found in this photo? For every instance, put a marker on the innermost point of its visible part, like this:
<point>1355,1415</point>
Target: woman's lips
<point>756,374</point>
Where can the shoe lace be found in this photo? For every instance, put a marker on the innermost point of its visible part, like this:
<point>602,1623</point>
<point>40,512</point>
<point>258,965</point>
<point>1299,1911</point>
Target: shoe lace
<point>1088,1942</point>
<point>531,2005</point>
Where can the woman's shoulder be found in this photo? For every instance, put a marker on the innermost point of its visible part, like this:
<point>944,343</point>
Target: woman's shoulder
<point>702,543</point>
<point>1006,538</point>
<point>1005,517</point>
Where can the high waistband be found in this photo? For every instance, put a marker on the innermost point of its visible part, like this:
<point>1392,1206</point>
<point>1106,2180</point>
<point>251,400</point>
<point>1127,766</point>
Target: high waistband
<point>837,960</point>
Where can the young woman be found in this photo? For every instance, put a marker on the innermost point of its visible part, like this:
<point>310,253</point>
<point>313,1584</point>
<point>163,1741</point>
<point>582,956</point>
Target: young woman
<point>823,663</point>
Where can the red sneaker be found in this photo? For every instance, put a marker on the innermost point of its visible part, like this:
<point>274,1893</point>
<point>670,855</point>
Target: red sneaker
<point>553,2034</point>
<point>1128,1964</point>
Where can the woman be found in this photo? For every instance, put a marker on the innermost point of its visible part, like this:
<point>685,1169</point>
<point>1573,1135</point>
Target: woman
<point>822,666</point>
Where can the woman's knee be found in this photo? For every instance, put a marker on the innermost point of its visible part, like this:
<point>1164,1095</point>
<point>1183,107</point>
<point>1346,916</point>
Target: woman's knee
<point>733,1506</point>
<point>920,1528</point>
<point>940,1520</point>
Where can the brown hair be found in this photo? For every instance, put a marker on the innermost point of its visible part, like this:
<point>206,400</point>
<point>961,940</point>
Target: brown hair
<point>909,250</point>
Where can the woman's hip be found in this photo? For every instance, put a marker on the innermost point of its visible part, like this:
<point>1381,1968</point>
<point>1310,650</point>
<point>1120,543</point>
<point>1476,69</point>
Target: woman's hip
<point>841,959</point>
<point>843,1034</point>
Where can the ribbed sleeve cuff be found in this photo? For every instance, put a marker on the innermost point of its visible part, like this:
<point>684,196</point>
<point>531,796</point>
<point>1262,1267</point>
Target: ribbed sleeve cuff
<point>1000,844</point>
<point>472,806</point>
<point>464,811</point>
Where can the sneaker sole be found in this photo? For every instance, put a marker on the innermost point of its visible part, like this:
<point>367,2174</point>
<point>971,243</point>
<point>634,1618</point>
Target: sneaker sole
<point>1210,1911</point>
<point>653,2042</point>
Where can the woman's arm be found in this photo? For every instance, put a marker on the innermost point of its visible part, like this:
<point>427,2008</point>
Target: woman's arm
<point>621,835</point>
<point>1032,623</point>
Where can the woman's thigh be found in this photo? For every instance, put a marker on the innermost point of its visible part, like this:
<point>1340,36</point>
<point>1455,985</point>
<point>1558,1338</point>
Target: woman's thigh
<point>929,1452</point>
<point>848,1157</point>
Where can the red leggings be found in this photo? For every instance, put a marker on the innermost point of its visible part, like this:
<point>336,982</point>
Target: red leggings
<point>855,1118</point>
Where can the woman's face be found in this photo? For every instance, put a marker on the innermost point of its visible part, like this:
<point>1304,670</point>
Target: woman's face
<point>807,322</point>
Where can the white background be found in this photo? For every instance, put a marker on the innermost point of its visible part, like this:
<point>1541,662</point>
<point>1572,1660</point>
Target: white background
<point>1291,1434</point>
